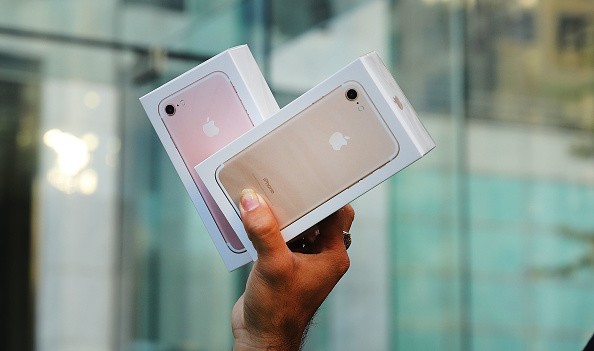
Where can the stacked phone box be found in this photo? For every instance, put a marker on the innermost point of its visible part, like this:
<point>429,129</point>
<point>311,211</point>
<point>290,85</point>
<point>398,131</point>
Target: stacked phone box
<point>223,131</point>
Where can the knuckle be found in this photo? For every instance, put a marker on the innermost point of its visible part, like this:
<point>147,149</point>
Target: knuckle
<point>343,264</point>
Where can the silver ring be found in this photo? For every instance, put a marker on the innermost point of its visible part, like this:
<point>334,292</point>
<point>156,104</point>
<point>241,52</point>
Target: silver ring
<point>346,237</point>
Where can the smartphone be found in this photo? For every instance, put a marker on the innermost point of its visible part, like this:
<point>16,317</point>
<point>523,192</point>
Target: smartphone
<point>323,150</point>
<point>201,119</point>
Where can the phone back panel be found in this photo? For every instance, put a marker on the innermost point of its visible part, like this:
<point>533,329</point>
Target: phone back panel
<point>315,155</point>
<point>208,115</point>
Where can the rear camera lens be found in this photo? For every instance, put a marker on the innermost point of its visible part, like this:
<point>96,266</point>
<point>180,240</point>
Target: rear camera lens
<point>351,94</point>
<point>170,110</point>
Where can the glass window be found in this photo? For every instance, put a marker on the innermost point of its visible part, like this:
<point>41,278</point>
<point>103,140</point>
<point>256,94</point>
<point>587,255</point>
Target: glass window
<point>486,243</point>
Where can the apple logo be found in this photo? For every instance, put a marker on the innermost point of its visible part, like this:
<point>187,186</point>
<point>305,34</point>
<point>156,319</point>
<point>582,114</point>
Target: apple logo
<point>338,140</point>
<point>209,128</point>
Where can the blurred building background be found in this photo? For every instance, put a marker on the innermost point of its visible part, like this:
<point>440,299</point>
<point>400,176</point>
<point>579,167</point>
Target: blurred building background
<point>485,244</point>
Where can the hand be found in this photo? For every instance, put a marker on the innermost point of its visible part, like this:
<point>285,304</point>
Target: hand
<point>285,288</point>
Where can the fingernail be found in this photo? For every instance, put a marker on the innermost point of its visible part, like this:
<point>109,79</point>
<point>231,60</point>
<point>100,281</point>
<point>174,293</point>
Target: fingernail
<point>249,200</point>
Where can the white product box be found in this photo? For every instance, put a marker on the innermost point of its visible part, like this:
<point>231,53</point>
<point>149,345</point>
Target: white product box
<point>299,161</point>
<point>201,111</point>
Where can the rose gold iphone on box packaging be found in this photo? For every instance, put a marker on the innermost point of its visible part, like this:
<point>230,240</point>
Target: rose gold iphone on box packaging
<point>201,119</point>
<point>331,145</point>
<point>199,113</point>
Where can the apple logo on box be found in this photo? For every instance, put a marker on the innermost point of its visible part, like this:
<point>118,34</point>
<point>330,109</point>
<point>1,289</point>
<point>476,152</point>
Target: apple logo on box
<point>338,140</point>
<point>209,128</point>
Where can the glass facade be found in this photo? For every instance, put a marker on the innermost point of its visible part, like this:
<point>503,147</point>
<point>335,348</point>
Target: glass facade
<point>487,243</point>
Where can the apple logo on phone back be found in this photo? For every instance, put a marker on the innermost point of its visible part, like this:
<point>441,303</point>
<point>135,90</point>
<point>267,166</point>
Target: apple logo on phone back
<point>209,128</point>
<point>338,140</point>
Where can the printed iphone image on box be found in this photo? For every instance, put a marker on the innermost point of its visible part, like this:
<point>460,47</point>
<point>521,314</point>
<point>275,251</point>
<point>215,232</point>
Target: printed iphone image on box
<point>323,150</point>
<point>200,112</point>
<point>318,153</point>
<point>201,119</point>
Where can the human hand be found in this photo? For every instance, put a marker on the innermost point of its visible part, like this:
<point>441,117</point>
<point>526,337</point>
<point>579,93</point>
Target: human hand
<point>285,288</point>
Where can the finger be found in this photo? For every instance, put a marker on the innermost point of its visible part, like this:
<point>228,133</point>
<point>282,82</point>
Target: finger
<point>332,253</point>
<point>331,229</point>
<point>348,216</point>
<point>260,225</point>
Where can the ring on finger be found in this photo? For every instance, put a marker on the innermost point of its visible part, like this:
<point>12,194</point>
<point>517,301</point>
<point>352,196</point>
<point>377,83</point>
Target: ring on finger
<point>346,238</point>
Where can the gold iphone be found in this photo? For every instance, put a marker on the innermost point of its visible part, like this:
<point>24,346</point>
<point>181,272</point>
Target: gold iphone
<point>312,157</point>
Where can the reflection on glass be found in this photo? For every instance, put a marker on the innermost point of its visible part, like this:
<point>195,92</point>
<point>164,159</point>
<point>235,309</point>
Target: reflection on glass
<point>70,173</point>
<point>92,99</point>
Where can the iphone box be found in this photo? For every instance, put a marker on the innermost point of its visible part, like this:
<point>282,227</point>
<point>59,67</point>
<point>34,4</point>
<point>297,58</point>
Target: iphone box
<point>198,113</point>
<point>322,151</point>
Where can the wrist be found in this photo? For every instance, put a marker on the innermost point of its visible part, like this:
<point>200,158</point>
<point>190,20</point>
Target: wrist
<point>243,341</point>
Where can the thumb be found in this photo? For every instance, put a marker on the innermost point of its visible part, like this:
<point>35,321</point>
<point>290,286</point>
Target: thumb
<point>260,225</point>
